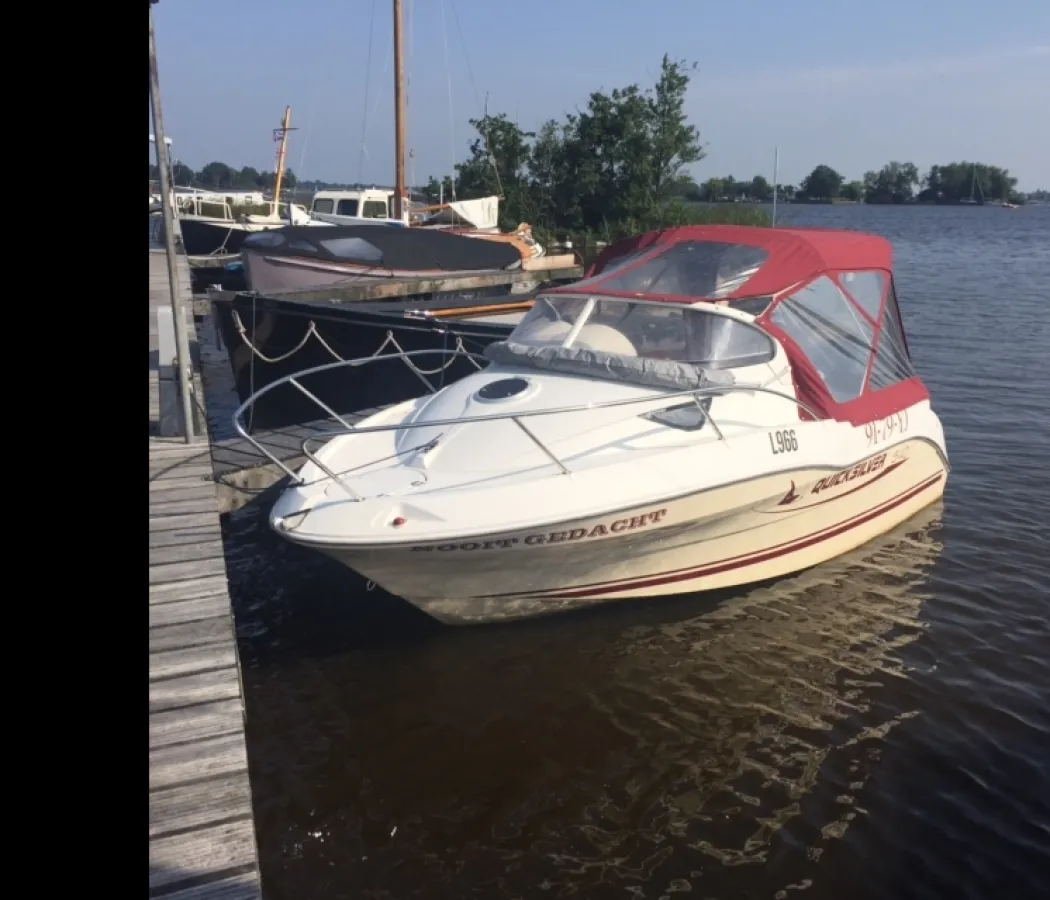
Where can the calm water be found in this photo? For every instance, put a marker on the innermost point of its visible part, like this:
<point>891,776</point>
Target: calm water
<point>878,727</point>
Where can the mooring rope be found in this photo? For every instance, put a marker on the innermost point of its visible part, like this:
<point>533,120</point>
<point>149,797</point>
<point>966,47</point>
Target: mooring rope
<point>389,340</point>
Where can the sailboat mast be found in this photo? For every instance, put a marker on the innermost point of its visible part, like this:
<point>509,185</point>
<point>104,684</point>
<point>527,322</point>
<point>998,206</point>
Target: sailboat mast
<point>399,116</point>
<point>281,134</point>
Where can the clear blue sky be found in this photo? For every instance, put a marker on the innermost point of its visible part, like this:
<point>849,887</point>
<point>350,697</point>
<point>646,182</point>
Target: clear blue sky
<point>849,84</point>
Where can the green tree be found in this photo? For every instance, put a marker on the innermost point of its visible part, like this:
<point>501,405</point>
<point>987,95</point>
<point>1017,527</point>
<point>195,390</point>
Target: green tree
<point>438,191</point>
<point>619,160</point>
<point>674,142</point>
<point>952,182</point>
<point>498,164</point>
<point>183,175</point>
<point>247,178</point>
<point>685,188</point>
<point>552,190</point>
<point>823,183</point>
<point>713,190</point>
<point>733,188</point>
<point>216,176</point>
<point>853,190</point>
<point>895,182</point>
<point>267,181</point>
<point>761,190</point>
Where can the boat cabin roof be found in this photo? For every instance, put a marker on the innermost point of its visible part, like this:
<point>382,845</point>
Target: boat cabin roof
<point>354,193</point>
<point>727,262</point>
<point>381,246</point>
<point>710,298</point>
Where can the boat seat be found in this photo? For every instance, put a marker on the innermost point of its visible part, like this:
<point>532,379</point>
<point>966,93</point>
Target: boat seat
<point>604,339</point>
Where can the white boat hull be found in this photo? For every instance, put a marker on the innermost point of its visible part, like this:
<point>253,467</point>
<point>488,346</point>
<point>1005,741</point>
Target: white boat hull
<point>726,536</point>
<point>643,438</point>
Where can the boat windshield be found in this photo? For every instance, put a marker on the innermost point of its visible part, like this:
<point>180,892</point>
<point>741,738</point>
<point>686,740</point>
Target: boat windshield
<point>712,269</point>
<point>624,328</point>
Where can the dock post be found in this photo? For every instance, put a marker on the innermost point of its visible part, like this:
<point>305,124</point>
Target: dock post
<point>171,421</point>
<point>182,345</point>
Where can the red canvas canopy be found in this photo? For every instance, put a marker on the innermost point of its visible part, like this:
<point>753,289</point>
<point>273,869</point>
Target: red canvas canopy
<point>783,257</point>
<point>827,297</point>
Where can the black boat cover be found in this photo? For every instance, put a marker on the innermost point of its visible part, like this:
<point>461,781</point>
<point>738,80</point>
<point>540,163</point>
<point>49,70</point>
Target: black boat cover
<point>385,246</point>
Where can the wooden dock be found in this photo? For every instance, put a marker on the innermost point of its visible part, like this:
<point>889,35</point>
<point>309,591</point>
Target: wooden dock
<point>201,829</point>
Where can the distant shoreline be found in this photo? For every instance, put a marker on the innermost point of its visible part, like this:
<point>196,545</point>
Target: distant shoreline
<point>836,202</point>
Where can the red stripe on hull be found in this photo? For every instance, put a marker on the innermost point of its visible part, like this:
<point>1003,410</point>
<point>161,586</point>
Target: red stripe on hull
<point>612,587</point>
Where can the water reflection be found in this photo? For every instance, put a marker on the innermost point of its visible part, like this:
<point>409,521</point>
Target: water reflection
<point>648,747</point>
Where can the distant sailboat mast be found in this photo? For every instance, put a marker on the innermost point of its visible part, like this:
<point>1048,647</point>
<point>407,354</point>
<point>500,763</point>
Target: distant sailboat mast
<point>972,200</point>
<point>400,210</point>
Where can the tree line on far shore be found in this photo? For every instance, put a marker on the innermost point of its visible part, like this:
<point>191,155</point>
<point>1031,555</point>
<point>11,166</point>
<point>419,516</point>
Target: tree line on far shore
<point>616,167</point>
<point>217,176</point>
<point>895,182</point>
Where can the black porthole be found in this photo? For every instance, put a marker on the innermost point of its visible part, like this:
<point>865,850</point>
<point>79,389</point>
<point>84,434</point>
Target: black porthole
<point>503,389</point>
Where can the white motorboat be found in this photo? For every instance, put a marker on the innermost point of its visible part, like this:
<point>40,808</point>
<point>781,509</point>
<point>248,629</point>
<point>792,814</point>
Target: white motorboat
<point>226,232</point>
<point>712,406</point>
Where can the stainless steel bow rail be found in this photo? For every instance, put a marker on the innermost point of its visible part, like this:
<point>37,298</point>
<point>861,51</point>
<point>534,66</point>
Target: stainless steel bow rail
<point>696,394</point>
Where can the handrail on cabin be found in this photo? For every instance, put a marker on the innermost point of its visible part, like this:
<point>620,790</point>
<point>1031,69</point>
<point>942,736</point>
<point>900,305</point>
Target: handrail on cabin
<point>294,379</point>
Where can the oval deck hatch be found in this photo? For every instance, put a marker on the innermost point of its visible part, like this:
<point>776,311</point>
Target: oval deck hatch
<point>503,389</point>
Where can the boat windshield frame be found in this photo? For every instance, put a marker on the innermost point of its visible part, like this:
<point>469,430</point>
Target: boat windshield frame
<point>706,335</point>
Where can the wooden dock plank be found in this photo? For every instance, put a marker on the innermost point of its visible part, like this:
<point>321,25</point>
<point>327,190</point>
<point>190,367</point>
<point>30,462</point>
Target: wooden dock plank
<point>180,520</point>
<point>210,850</point>
<point>174,507</point>
<point>240,886</point>
<point>183,661</point>
<point>171,482</point>
<point>194,688</point>
<point>191,762</point>
<point>180,612</point>
<point>166,462</point>
<point>179,537</point>
<point>165,573</point>
<point>195,723</point>
<point>196,805</point>
<point>183,473</point>
<point>202,837</point>
<point>181,467</point>
<point>190,634</point>
<point>170,610</point>
<point>161,447</point>
<point>199,552</point>
<point>160,476</point>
